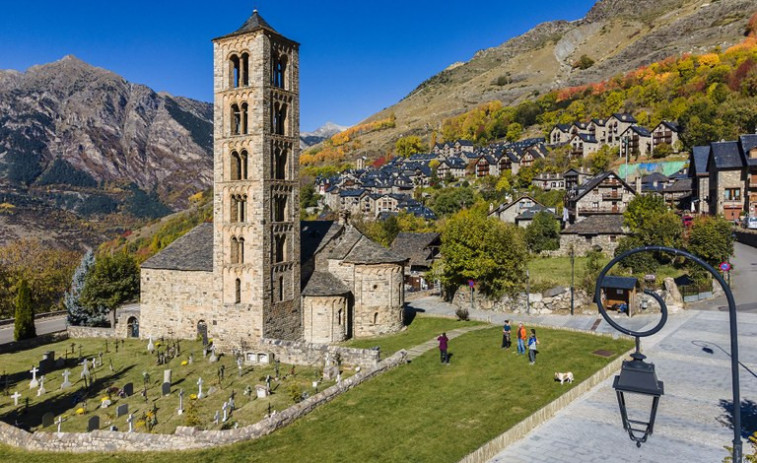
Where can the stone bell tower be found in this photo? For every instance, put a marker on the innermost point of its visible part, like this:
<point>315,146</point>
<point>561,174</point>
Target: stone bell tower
<point>256,236</point>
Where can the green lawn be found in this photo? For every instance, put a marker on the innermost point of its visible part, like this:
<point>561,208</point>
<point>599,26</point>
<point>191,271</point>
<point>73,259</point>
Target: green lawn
<point>548,272</point>
<point>420,330</point>
<point>129,364</point>
<point>419,412</point>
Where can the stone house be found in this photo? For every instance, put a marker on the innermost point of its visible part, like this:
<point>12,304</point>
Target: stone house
<point>604,194</point>
<point>560,133</point>
<point>526,216</point>
<point>485,166</point>
<point>598,128</point>
<point>666,132</point>
<point>453,166</point>
<point>246,277</point>
<point>548,182</point>
<point>421,250</point>
<point>678,195</point>
<point>579,127</point>
<point>509,161</point>
<point>700,179</point>
<point>616,125</point>
<point>575,177</point>
<point>600,232</point>
<point>638,141</point>
<point>582,145</point>
<point>728,179</point>
<point>508,212</point>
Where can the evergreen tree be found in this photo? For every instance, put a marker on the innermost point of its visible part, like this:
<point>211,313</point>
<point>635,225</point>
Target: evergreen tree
<point>24,323</point>
<point>112,281</point>
<point>78,315</point>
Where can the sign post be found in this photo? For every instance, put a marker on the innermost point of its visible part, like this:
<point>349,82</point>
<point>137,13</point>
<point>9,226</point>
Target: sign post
<point>726,267</point>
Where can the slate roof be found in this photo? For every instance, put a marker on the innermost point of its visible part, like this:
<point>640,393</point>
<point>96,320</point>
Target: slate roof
<point>529,213</point>
<point>314,235</point>
<point>562,127</point>
<point>624,117</point>
<point>654,177</point>
<point>253,23</point>
<point>671,125</point>
<point>415,247</point>
<point>680,186</point>
<point>748,143</point>
<point>601,224</point>
<point>591,183</point>
<point>642,131</point>
<point>504,207</point>
<point>616,282</point>
<point>726,155</point>
<point>193,252</point>
<point>586,137</point>
<point>352,193</point>
<point>599,122</point>
<point>700,155</point>
<point>324,284</point>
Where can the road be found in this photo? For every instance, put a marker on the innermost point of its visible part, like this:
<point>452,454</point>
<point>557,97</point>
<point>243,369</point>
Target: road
<point>743,282</point>
<point>44,326</point>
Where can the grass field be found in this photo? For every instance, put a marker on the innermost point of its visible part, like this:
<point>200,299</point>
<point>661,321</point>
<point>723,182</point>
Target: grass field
<point>420,412</point>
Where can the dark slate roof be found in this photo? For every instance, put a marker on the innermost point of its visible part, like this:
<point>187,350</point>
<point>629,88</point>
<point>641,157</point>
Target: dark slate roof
<point>366,251</point>
<point>587,137</point>
<point>700,155</point>
<point>314,235</point>
<point>625,117</point>
<point>352,193</point>
<point>616,282</point>
<point>726,155</point>
<point>192,252</point>
<point>748,143</point>
<point>680,186</point>
<point>591,183</point>
<point>415,247</point>
<point>529,213</point>
<point>601,224</point>
<point>581,125</point>
<point>642,131</point>
<point>562,127</point>
<point>253,23</point>
<point>504,207</point>
<point>345,243</point>
<point>654,177</point>
<point>599,122</point>
<point>324,284</point>
<point>671,125</point>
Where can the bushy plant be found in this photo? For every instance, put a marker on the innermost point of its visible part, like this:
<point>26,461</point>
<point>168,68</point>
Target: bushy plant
<point>24,320</point>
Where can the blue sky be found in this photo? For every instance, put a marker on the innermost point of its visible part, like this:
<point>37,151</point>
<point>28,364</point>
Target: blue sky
<point>356,57</point>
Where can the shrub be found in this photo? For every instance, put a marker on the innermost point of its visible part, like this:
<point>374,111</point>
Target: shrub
<point>24,323</point>
<point>462,314</point>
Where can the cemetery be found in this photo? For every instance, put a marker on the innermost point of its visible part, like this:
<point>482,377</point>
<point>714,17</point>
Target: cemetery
<point>82,385</point>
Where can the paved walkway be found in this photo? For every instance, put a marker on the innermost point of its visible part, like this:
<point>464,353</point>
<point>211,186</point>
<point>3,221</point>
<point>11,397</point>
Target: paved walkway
<point>696,373</point>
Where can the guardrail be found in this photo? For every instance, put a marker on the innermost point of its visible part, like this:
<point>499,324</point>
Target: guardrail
<point>10,321</point>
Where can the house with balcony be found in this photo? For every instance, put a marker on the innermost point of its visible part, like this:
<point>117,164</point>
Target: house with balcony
<point>638,141</point>
<point>605,194</point>
<point>666,132</point>
<point>582,145</point>
<point>728,176</point>
<point>559,134</point>
<point>575,176</point>
<point>548,182</point>
<point>598,128</point>
<point>616,125</point>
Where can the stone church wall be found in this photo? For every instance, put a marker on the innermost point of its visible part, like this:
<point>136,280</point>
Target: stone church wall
<point>379,299</point>
<point>322,321</point>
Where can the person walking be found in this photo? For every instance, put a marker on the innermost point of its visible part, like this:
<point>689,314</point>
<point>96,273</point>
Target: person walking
<point>506,335</point>
<point>532,342</point>
<point>522,336</point>
<point>443,339</point>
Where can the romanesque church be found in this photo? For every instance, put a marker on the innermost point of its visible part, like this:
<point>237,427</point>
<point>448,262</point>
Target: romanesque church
<point>257,271</point>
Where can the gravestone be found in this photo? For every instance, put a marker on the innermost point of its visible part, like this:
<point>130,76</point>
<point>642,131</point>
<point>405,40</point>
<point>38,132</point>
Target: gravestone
<point>47,364</point>
<point>66,383</point>
<point>150,346</point>
<point>122,410</point>
<point>166,389</point>
<point>93,424</point>
<point>166,376</point>
<point>129,389</point>
<point>33,383</point>
<point>15,397</point>
<point>48,419</point>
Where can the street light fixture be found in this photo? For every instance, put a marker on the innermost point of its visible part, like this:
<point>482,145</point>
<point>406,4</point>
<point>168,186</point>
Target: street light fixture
<point>639,378</point>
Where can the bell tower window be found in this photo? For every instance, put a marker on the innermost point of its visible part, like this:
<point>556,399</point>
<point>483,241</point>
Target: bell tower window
<point>234,71</point>
<point>280,249</point>
<point>245,69</point>
<point>278,121</point>
<point>236,120</point>
<point>280,206</point>
<point>237,291</point>
<point>280,164</point>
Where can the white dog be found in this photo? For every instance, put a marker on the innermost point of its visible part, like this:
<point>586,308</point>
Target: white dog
<point>562,377</point>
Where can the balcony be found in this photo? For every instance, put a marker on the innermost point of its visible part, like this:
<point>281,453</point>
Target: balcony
<point>614,195</point>
<point>599,210</point>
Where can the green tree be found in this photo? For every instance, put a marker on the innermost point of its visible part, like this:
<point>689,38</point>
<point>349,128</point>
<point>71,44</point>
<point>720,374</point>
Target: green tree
<point>407,146</point>
<point>450,200</point>
<point>514,131</point>
<point>662,150</point>
<point>543,233</point>
<point>308,196</point>
<point>711,239</point>
<point>112,281</point>
<point>642,210</point>
<point>24,322</point>
<point>584,62</point>
<point>600,160</point>
<point>485,250</point>
<point>593,266</point>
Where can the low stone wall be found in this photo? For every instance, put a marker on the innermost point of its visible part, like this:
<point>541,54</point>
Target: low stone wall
<point>304,353</point>
<point>489,450</point>
<point>185,438</point>
<point>555,300</point>
<point>90,332</point>
<point>34,342</point>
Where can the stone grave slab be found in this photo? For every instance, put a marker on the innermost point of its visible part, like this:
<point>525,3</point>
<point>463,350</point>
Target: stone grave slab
<point>48,419</point>
<point>166,389</point>
<point>93,423</point>
<point>129,389</point>
<point>122,410</point>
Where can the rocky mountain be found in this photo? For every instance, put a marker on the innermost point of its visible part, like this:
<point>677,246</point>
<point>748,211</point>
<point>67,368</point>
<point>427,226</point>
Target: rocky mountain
<point>320,134</point>
<point>618,35</point>
<point>80,140</point>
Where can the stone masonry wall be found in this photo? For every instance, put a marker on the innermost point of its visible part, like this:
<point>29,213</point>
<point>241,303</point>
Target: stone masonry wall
<point>581,245</point>
<point>75,332</point>
<point>321,318</point>
<point>305,353</point>
<point>379,299</point>
<point>185,438</point>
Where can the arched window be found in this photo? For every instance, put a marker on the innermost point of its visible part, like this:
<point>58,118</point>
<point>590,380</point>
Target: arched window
<point>234,250</point>
<point>234,212</point>
<point>280,249</point>
<point>279,209</point>
<point>280,164</point>
<point>132,327</point>
<point>237,291</point>
<point>234,71</point>
<point>236,165</point>
<point>240,252</point>
<point>236,120</point>
<point>243,165</point>
<point>244,118</point>
<point>281,289</point>
<point>339,317</point>
<point>278,119</point>
<point>279,67</point>
<point>375,317</point>
<point>245,69</point>
<point>242,200</point>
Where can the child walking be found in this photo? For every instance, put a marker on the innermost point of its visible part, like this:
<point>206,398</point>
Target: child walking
<point>532,342</point>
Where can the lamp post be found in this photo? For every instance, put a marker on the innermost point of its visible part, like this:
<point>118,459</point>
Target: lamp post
<point>572,277</point>
<point>528,292</point>
<point>639,377</point>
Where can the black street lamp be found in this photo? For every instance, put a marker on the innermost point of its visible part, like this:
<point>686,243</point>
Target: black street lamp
<point>572,277</point>
<point>638,378</point>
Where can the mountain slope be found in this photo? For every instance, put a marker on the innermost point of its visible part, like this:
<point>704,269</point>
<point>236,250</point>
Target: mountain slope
<point>618,35</point>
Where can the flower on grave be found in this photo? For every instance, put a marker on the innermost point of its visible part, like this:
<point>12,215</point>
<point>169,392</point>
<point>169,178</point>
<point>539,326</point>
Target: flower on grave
<point>157,344</point>
<point>106,403</point>
<point>184,363</point>
<point>193,396</point>
<point>149,414</point>
<point>104,399</point>
<point>80,411</point>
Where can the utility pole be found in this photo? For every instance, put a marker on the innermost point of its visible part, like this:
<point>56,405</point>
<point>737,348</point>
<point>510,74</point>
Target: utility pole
<point>528,292</point>
<point>572,277</point>
<point>625,146</point>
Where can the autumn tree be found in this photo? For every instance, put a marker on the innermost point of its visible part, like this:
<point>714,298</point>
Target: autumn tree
<point>407,146</point>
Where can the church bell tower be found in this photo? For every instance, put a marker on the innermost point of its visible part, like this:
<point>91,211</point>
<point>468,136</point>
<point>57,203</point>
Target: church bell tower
<point>256,236</point>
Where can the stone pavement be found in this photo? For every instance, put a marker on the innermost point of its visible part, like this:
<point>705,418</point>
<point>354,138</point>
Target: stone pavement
<point>690,357</point>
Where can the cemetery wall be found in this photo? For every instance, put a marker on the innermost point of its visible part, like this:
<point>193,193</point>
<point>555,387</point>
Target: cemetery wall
<point>90,332</point>
<point>34,342</point>
<point>304,353</point>
<point>185,438</point>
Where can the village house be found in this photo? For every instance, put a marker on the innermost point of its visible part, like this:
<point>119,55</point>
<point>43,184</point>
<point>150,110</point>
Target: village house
<point>599,232</point>
<point>638,141</point>
<point>598,128</point>
<point>575,176</point>
<point>455,148</point>
<point>548,182</point>
<point>509,211</point>
<point>421,250</point>
<point>582,145</point>
<point>666,132</point>
<point>605,193</point>
<point>700,179</point>
<point>728,168</point>
<point>559,134</point>
<point>616,125</point>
